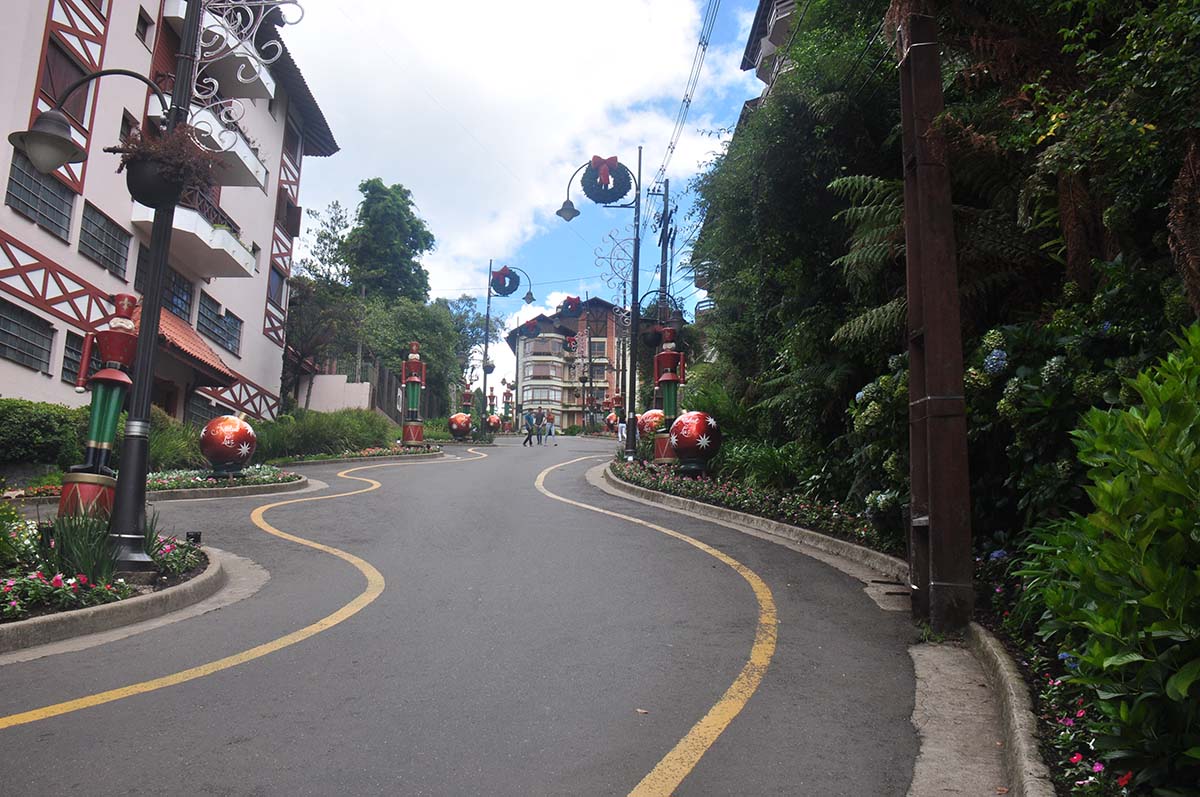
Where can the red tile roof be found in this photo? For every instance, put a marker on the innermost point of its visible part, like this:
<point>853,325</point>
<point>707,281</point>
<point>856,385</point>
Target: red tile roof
<point>177,337</point>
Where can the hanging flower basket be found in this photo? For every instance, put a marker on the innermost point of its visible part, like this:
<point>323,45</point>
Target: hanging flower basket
<point>148,186</point>
<point>159,167</point>
<point>605,181</point>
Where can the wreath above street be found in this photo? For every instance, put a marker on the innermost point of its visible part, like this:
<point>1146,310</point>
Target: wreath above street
<point>605,181</point>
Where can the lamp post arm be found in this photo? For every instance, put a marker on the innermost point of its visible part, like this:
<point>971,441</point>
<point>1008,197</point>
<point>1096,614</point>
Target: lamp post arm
<point>89,77</point>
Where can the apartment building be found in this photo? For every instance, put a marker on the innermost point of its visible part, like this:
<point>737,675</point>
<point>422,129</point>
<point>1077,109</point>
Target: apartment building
<point>769,34</point>
<point>71,239</point>
<point>548,374</point>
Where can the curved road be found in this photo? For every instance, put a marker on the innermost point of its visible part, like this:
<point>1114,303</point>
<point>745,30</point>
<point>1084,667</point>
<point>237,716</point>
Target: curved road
<point>520,646</point>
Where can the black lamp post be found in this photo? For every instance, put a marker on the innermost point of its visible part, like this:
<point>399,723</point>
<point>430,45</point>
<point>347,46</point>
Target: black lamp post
<point>528,298</point>
<point>568,212</point>
<point>48,146</point>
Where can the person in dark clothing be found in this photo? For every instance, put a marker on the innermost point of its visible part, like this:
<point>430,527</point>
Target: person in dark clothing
<point>528,419</point>
<point>539,420</point>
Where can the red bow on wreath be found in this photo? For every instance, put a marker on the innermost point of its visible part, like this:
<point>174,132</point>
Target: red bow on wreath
<point>604,166</point>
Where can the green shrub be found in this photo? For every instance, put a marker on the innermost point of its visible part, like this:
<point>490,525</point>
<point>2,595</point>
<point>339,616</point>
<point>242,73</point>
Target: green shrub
<point>310,432</point>
<point>1118,591</point>
<point>35,431</point>
<point>437,429</point>
<point>572,430</point>
<point>78,544</point>
<point>9,518</point>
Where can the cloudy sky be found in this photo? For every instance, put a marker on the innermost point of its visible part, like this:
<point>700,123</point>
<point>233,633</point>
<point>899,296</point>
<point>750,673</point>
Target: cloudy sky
<point>484,109</point>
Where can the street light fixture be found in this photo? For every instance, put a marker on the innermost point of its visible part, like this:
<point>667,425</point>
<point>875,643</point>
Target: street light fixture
<point>568,212</point>
<point>528,298</point>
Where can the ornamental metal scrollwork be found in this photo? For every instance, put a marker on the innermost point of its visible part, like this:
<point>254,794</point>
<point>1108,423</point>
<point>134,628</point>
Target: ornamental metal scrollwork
<point>232,27</point>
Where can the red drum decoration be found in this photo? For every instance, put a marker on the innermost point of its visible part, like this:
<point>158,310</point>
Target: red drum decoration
<point>650,420</point>
<point>460,426</point>
<point>696,440</point>
<point>227,442</point>
<point>493,423</point>
<point>86,494</point>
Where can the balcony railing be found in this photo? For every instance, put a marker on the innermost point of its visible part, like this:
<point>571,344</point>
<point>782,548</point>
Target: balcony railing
<point>204,205</point>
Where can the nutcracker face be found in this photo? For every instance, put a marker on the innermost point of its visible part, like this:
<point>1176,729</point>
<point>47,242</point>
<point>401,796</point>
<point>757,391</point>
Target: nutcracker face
<point>650,421</point>
<point>695,436</point>
<point>228,443</point>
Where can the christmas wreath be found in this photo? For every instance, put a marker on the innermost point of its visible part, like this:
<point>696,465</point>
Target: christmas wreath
<point>605,181</point>
<point>571,344</point>
<point>571,307</point>
<point>529,329</point>
<point>505,281</point>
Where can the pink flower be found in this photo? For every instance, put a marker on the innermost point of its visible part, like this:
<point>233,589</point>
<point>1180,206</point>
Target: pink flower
<point>12,603</point>
<point>82,579</point>
<point>1097,767</point>
<point>57,581</point>
<point>1080,713</point>
<point>1066,721</point>
<point>1075,759</point>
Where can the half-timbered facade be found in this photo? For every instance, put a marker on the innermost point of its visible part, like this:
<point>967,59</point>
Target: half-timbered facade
<point>71,239</point>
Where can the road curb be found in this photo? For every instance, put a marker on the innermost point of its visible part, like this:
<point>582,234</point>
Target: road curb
<point>154,496</point>
<point>888,565</point>
<point>343,460</point>
<point>1027,773</point>
<point>65,625</point>
<point>1023,765</point>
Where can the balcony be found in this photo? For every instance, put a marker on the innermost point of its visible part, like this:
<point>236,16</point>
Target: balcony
<point>780,21</point>
<point>242,166</point>
<point>240,60</point>
<point>204,239</point>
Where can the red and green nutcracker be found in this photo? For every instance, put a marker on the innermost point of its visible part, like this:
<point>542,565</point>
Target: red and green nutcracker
<point>88,487</point>
<point>413,376</point>
<point>669,374</point>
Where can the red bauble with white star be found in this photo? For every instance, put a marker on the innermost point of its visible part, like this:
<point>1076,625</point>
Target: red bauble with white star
<point>651,421</point>
<point>227,442</point>
<point>695,436</point>
<point>460,425</point>
<point>493,423</point>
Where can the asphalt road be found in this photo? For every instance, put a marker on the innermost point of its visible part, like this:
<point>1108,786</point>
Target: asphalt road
<point>520,646</point>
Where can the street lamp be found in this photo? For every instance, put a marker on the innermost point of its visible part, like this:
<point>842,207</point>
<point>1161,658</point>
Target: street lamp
<point>528,298</point>
<point>48,146</point>
<point>568,212</point>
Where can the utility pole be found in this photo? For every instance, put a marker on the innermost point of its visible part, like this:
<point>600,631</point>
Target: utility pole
<point>664,242</point>
<point>940,561</point>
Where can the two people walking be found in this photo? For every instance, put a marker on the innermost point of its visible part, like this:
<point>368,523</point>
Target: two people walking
<point>541,423</point>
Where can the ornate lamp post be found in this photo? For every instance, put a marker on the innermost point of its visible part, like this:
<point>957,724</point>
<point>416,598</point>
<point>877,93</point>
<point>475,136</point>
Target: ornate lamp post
<point>49,146</point>
<point>606,182</point>
<point>502,282</point>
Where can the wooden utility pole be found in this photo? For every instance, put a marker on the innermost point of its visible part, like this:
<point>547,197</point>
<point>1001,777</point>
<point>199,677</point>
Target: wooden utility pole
<point>939,539</point>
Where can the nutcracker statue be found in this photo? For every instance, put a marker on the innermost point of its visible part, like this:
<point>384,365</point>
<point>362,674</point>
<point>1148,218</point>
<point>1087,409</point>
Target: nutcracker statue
<point>89,487</point>
<point>492,401</point>
<point>508,396</point>
<point>669,374</point>
<point>412,374</point>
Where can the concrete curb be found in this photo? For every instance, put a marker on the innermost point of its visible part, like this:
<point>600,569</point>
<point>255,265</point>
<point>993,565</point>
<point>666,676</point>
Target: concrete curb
<point>888,565</point>
<point>1023,765</point>
<point>342,460</point>
<point>1028,775</point>
<point>65,625</point>
<point>154,496</point>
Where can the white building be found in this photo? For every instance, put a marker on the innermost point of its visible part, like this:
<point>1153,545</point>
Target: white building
<point>69,240</point>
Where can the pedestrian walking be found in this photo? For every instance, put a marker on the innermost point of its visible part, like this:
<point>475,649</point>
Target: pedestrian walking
<point>539,422</point>
<point>621,428</point>
<point>550,427</point>
<point>528,419</point>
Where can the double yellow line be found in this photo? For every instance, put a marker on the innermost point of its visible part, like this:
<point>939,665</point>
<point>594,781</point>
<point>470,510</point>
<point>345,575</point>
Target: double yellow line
<point>375,585</point>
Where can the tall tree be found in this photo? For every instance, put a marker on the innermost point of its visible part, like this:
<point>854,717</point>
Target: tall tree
<point>326,258</point>
<point>321,315</point>
<point>384,248</point>
<point>470,328</point>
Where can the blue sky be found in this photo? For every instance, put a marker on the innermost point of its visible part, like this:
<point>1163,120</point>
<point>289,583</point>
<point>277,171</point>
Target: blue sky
<point>484,109</point>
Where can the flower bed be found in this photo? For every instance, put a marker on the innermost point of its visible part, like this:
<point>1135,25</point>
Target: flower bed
<point>366,453</point>
<point>191,480</point>
<point>786,507</point>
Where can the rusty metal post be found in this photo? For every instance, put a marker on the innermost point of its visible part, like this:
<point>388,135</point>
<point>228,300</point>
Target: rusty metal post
<point>940,555</point>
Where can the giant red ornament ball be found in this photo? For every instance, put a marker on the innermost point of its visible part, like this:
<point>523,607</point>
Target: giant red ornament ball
<point>227,442</point>
<point>695,436</point>
<point>460,425</point>
<point>651,421</point>
<point>493,423</point>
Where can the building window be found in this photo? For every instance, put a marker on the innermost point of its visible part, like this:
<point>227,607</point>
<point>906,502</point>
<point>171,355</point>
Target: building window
<point>177,293</point>
<point>144,26</point>
<point>198,410</point>
<point>598,373</point>
<point>104,241</point>
<point>598,348</point>
<point>72,353</point>
<point>60,71</point>
<point>276,283</point>
<point>546,371</point>
<point>548,394</point>
<point>25,338</point>
<point>40,197</point>
<point>543,348</point>
<point>225,329</point>
<point>128,123</point>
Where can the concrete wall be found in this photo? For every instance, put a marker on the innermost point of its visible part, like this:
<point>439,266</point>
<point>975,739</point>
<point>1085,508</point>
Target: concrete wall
<point>333,392</point>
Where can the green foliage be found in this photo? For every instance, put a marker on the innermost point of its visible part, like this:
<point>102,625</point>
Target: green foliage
<point>9,520</point>
<point>173,445</point>
<point>78,544</point>
<point>1119,586</point>
<point>34,431</point>
<point>309,432</point>
<point>383,249</point>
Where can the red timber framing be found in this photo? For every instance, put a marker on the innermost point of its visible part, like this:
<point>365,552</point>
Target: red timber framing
<point>80,28</point>
<point>274,319</point>
<point>39,282</point>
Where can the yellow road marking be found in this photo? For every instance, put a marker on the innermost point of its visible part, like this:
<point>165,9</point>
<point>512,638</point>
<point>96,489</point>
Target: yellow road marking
<point>682,759</point>
<point>375,585</point>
